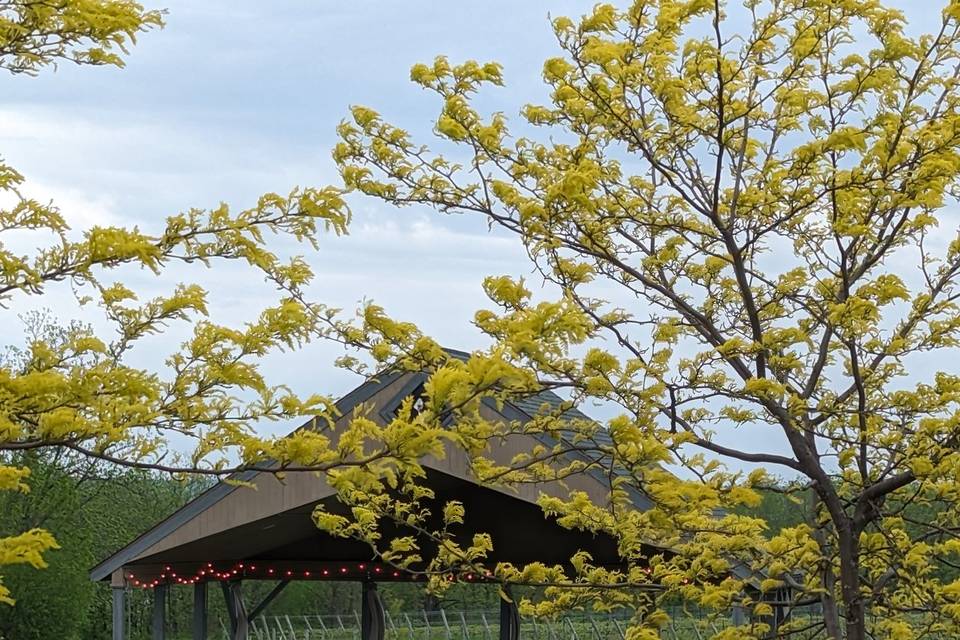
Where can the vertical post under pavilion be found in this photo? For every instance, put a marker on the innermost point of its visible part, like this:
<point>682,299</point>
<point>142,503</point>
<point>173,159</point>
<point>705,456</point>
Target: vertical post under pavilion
<point>239,623</point>
<point>509,616</point>
<point>118,601</point>
<point>159,626</point>
<point>371,613</point>
<point>200,611</point>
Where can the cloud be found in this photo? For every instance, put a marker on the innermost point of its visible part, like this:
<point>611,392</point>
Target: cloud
<point>235,99</point>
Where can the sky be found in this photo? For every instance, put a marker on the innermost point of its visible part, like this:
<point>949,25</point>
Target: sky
<point>235,99</point>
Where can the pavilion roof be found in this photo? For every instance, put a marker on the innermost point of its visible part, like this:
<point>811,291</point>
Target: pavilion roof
<point>231,529</point>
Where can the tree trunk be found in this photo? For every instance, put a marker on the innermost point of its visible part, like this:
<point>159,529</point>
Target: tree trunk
<point>828,601</point>
<point>831,616</point>
<point>854,611</point>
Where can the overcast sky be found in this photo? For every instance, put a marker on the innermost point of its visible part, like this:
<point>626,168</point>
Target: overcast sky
<point>234,99</point>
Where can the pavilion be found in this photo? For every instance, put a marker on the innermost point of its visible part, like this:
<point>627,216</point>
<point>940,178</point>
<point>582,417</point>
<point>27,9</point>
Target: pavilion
<point>231,534</point>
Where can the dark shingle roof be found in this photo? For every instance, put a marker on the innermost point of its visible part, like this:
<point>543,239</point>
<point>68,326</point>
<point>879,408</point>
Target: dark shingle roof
<point>549,403</point>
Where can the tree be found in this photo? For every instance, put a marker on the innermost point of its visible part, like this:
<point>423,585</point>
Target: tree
<point>78,393</point>
<point>745,212</point>
<point>56,498</point>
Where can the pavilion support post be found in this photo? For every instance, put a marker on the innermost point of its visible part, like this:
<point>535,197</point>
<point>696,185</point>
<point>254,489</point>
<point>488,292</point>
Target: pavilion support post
<point>781,611</point>
<point>509,616</point>
<point>371,613</point>
<point>200,611</point>
<point>119,609</point>
<point>738,616</point>
<point>159,612</point>
<point>239,623</point>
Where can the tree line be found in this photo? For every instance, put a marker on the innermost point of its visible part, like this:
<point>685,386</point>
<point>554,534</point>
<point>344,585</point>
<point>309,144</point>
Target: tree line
<point>93,510</point>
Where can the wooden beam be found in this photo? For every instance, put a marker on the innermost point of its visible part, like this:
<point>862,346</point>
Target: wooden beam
<point>231,612</point>
<point>160,611</point>
<point>267,600</point>
<point>233,594</point>
<point>509,616</point>
<point>119,610</point>
<point>371,613</point>
<point>200,611</point>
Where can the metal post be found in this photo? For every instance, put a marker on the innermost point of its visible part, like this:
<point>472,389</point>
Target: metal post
<point>118,611</point>
<point>243,624</point>
<point>159,611</point>
<point>443,616</point>
<point>200,611</point>
<point>596,630</point>
<point>486,627</point>
<point>463,622</point>
<point>372,616</point>
<point>619,629</point>
<point>239,624</point>
<point>550,630</point>
<point>231,614</point>
<point>390,624</point>
<point>509,616</point>
<point>738,615</point>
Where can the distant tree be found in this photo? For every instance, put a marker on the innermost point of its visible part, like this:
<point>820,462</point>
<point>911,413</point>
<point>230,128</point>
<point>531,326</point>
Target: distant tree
<point>54,504</point>
<point>147,498</point>
<point>782,505</point>
<point>749,215</point>
<point>75,499</point>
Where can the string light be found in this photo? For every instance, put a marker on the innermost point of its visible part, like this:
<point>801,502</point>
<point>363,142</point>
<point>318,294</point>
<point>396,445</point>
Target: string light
<point>207,571</point>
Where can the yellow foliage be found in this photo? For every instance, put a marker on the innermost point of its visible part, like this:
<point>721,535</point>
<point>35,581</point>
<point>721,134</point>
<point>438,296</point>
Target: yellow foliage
<point>757,212</point>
